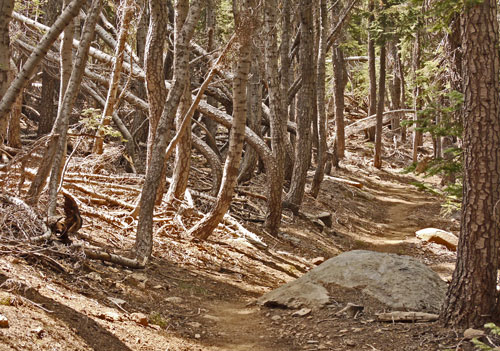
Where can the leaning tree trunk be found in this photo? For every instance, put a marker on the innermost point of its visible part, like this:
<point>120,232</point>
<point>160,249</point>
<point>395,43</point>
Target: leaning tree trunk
<point>276,115</point>
<point>54,153</point>
<point>377,159</point>
<point>204,228</point>
<point>305,108</point>
<point>36,56</point>
<point>111,98</point>
<point>321,97</point>
<point>472,297</point>
<point>183,35</point>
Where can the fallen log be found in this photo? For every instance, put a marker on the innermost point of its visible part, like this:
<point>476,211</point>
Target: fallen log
<point>401,316</point>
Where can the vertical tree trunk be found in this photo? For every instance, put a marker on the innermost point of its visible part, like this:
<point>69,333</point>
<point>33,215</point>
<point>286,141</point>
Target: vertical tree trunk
<point>321,97</point>
<point>276,115</point>
<point>372,109</point>
<point>47,107</point>
<point>183,35</point>
<point>305,107</point>
<point>339,83</point>
<point>126,9</point>
<point>377,160</point>
<point>395,84</point>
<point>36,56</point>
<point>6,8</point>
<point>204,228</point>
<point>472,297</point>
<point>66,63</point>
<point>417,133</point>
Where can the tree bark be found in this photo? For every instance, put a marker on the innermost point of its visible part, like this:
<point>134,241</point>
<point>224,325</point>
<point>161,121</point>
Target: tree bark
<point>472,297</point>
<point>6,8</point>
<point>321,97</point>
<point>204,228</point>
<point>36,56</point>
<point>111,99</point>
<point>372,109</point>
<point>377,159</point>
<point>417,133</point>
<point>154,173</point>
<point>305,102</point>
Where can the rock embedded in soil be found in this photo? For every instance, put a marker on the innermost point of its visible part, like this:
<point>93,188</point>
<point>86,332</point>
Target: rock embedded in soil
<point>139,318</point>
<point>4,322</point>
<point>399,282</point>
<point>438,236</point>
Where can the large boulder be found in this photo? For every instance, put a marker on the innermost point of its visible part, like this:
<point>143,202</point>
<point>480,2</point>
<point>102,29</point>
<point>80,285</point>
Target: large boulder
<point>399,282</point>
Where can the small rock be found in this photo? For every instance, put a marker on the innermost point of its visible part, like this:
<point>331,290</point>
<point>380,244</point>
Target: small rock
<point>349,342</point>
<point>212,318</point>
<point>302,312</point>
<point>197,336</point>
<point>438,236</point>
<point>158,287</point>
<point>117,301</point>
<point>194,324</point>
<point>174,299</point>
<point>110,316</point>
<point>4,322</point>
<point>140,277</point>
<point>142,285</point>
<point>139,318</point>
<point>94,276</point>
<point>293,240</point>
<point>39,332</point>
<point>473,333</point>
<point>318,260</point>
<point>276,318</point>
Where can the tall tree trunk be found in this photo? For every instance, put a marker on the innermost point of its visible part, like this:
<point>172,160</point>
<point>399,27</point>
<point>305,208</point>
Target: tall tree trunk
<point>321,97</point>
<point>153,66</point>
<point>339,83</point>
<point>49,84</point>
<point>377,160</point>
<point>6,8</point>
<point>472,297</point>
<point>154,173</point>
<point>276,115</point>
<point>372,109</point>
<point>111,99</point>
<point>395,84</point>
<point>56,148</point>
<point>36,56</point>
<point>305,108</point>
<point>417,133</point>
<point>204,228</point>
<point>66,63</point>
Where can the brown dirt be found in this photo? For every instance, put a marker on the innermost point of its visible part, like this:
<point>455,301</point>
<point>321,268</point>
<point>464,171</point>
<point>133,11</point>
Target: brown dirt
<point>199,296</point>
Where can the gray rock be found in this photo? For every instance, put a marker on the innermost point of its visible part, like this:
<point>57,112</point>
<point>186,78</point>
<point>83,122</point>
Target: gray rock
<point>400,282</point>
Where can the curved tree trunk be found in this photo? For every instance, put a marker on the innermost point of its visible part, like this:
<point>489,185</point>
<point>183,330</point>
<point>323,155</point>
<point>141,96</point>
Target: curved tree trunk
<point>472,297</point>
<point>183,35</point>
<point>36,56</point>
<point>204,228</point>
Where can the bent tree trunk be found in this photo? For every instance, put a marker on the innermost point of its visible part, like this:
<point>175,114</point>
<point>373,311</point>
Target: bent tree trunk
<point>472,297</point>
<point>204,228</point>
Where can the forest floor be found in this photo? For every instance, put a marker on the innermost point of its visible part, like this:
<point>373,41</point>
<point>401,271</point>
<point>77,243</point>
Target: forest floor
<point>200,295</point>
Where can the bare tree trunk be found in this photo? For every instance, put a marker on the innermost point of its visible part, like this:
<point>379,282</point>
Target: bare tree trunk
<point>339,83</point>
<point>321,97</point>
<point>54,154</point>
<point>276,115</point>
<point>372,109</point>
<point>183,35</point>
<point>182,163</point>
<point>6,8</point>
<point>417,133</point>
<point>472,297</point>
<point>305,102</point>
<point>377,159</point>
<point>126,9</point>
<point>204,228</point>
<point>395,84</point>
<point>36,56</point>
<point>66,63</point>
